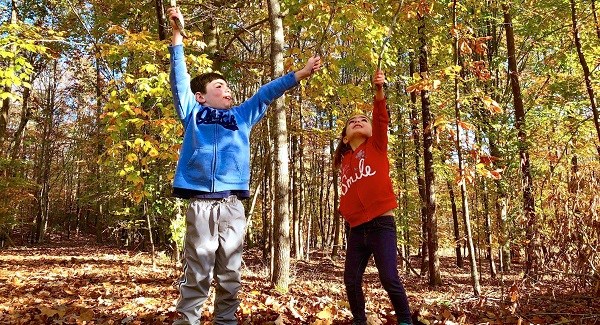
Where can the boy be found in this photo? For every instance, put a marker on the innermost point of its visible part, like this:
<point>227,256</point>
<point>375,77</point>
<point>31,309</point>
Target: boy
<point>213,171</point>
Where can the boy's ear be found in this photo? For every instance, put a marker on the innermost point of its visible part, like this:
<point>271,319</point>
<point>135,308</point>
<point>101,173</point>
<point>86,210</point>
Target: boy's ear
<point>345,140</point>
<point>200,98</point>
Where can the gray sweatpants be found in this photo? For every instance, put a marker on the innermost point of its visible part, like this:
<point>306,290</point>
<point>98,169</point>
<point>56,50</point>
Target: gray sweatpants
<point>213,242</point>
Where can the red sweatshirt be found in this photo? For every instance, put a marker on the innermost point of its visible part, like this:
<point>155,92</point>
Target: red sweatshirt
<point>366,187</point>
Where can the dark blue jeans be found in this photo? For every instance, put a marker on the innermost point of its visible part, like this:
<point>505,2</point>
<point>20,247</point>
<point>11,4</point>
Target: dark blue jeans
<point>378,238</point>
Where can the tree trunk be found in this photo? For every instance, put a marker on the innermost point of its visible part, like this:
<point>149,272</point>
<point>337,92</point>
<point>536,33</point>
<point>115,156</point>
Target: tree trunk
<point>501,200</point>
<point>402,179</point>
<point>7,88</point>
<point>414,120</point>
<point>488,230</point>
<point>267,196</point>
<point>161,20</point>
<point>456,226</point>
<point>461,172</point>
<point>149,224</point>
<point>210,36</point>
<point>531,267</point>
<point>25,116</point>
<point>337,218</point>
<point>586,73</point>
<point>596,22</point>
<point>45,157</point>
<point>281,236</point>
<point>435,278</point>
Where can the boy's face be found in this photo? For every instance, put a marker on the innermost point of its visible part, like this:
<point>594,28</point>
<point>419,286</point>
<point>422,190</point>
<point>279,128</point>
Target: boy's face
<point>218,95</point>
<point>358,126</point>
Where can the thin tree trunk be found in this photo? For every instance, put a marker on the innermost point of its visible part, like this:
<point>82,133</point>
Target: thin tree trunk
<point>596,22</point>
<point>267,198</point>
<point>435,278</point>
<point>488,230</point>
<point>463,181</point>
<point>420,180</point>
<point>531,267</point>
<point>586,73</point>
<point>336,196</point>
<point>402,178</point>
<point>281,258</point>
<point>150,236</point>
<point>456,226</point>
<point>7,88</point>
<point>25,116</point>
<point>501,199</point>
<point>301,252</point>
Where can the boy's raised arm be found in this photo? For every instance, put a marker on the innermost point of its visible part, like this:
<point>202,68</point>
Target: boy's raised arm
<point>253,109</point>
<point>183,98</point>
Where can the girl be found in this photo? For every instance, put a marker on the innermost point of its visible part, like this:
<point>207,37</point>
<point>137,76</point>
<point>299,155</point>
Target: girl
<point>367,201</point>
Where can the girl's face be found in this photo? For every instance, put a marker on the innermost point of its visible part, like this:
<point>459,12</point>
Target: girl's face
<point>358,127</point>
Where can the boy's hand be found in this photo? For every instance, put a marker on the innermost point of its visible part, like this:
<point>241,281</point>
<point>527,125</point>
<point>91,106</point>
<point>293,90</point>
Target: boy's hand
<point>378,81</point>
<point>174,13</point>
<point>313,64</point>
<point>176,20</point>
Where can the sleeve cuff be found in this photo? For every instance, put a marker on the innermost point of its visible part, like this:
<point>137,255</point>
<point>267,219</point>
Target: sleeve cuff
<point>176,51</point>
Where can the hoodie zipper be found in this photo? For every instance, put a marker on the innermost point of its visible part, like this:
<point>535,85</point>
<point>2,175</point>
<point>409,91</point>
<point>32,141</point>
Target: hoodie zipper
<point>214,162</point>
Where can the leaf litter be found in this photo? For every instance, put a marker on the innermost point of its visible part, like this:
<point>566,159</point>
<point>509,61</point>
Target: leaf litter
<point>89,284</point>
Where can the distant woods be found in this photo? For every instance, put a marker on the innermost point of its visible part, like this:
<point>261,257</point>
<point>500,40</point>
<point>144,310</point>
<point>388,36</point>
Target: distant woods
<point>494,141</point>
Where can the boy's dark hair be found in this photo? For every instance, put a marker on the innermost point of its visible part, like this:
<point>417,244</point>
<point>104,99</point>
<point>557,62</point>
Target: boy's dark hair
<point>198,83</point>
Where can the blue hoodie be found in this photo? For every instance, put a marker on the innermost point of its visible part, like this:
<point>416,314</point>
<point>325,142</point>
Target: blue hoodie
<point>215,154</point>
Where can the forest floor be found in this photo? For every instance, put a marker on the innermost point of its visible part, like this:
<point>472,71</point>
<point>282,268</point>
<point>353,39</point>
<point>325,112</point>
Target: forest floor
<point>77,282</point>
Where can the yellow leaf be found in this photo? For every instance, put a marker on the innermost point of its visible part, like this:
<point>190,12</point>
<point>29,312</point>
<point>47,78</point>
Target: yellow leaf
<point>49,312</point>
<point>325,313</point>
<point>131,157</point>
<point>492,105</point>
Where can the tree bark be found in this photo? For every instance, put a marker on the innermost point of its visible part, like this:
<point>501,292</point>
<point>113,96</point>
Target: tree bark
<point>45,157</point>
<point>461,172</point>
<point>488,230</point>
<point>456,226</point>
<point>414,120</point>
<point>435,278</point>
<point>531,267</point>
<point>161,20</point>
<point>336,196</point>
<point>586,73</point>
<point>281,236</point>
<point>6,101</point>
<point>596,22</point>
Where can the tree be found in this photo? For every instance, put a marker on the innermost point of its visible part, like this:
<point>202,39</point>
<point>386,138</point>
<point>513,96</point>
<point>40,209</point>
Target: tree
<point>281,235</point>
<point>520,120</point>
<point>586,73</point>
<point>462,179</point>
<point>435,278</point>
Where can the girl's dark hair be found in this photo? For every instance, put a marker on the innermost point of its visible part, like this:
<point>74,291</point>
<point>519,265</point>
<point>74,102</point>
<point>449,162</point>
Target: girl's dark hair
<point>198,84</point>
<point>340,150</point>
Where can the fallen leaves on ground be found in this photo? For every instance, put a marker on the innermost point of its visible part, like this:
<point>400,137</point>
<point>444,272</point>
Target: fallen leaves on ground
<point>87,284</point>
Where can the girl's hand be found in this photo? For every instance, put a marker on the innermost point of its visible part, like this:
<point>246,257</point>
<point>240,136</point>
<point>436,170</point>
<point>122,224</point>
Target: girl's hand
<point>379,79</point>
